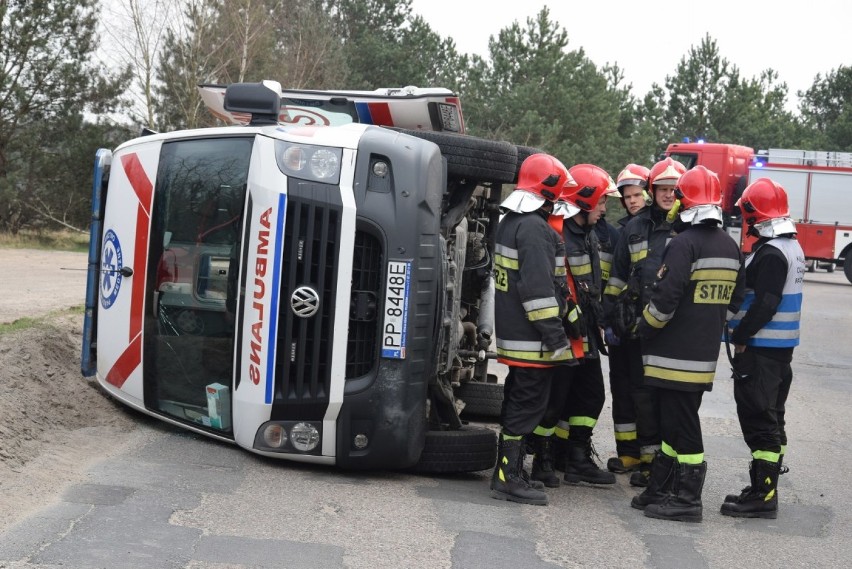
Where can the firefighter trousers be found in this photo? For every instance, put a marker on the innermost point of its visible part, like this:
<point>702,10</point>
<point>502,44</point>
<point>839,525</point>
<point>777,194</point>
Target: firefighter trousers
<point>646,402</point>
<point>623,408</point>
<point>526,393</point>
<point>761,391</point>
<point>680,425</point>
<point>577,403</point>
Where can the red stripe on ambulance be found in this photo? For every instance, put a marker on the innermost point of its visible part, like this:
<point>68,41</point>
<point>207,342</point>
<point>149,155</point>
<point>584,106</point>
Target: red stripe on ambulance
<point>380,113</point>
<point>130,359</point>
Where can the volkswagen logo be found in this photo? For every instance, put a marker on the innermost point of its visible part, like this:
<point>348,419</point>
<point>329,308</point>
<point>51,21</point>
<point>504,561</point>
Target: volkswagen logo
<point>305,302</point>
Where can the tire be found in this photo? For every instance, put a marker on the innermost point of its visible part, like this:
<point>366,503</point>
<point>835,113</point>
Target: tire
<point>524,152</point>
<point>469,449</point>
<point>847,266</point>
<point>830,267</point>
<point>810,265</point>
<point>481,399</point>
<point>471,157</point>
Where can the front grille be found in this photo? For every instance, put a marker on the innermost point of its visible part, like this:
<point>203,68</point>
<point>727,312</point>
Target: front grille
<point>309,258</point>
<point>361,349</point>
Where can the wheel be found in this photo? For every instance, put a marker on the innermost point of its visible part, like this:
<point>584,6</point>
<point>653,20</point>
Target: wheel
<point>830,267</point>
<point>481,399</point>
<point>524,152</point>
<point>847,266</point>
<point>471,157</point>
<point>467,450</point>
<point>810,265</point>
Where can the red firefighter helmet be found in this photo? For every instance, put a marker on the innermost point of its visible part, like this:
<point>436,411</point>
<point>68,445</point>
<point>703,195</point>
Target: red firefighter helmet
<point>591,183</point>
<point>541,177</point>
<point>633,175</point>
<point>698,186</point>
<point>542,174</point>
<point>666,172</point>
<point>762,200</point>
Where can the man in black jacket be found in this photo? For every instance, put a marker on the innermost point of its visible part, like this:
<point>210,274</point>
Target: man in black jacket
<point>530,302</point>
<point>699,286</point>
<point>765,331</point>
<point>638,256</point>
<point>632,184</point>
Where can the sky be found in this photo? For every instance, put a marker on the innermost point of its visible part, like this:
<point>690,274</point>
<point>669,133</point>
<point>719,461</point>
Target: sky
<point>647,40</point>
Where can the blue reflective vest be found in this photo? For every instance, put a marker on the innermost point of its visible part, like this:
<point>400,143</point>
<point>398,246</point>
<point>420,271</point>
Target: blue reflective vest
<point>783,330</point>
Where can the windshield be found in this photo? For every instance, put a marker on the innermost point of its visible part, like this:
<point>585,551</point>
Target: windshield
<point>332,112</point>
<point>687,160</point>
<point>192,274</point>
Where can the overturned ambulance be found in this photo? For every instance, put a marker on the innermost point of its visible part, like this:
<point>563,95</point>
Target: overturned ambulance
<point>314,285</point>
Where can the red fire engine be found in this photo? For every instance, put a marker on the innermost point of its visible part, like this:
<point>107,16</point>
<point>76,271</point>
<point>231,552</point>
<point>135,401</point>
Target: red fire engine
<point>818,185</point>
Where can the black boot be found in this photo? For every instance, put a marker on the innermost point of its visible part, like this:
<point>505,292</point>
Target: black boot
<point>507,482</point>
<point>641,476</point>
<point>623,464</point>
<point>542,466</point>
<point>659,482</point>
<point>560,453</point>
<point>761,500</point>
<point>521,470</point>
<point>581,467</point>
<point>525,450</point>
<point>734,497</point>
<point>683,504</point>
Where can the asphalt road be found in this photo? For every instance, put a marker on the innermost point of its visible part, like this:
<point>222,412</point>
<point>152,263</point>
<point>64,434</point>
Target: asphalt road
<point>177,500</point>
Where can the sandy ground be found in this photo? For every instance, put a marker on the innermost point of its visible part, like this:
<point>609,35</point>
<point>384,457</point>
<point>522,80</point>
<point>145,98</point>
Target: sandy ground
<point>54,423</point>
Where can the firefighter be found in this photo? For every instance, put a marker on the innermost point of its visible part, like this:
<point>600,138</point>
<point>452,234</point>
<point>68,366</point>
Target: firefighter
<point>581,405</point>
<point>637,258</point>
<point>529,306</point>
<point>632,183</point>
<point>764,333</point>
<point>542,439</point>
<point>699,285</point>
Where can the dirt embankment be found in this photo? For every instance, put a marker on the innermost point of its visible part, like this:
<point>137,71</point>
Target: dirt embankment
<point>54,423</point>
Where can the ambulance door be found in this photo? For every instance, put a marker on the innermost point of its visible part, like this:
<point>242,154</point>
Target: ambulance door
<point>123,268</point>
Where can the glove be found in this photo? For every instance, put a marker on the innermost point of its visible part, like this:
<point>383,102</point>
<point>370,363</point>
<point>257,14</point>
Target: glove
<point>625,316</point>
<point>610,337</point>
<point>558,352</point>
<point>574,323</point>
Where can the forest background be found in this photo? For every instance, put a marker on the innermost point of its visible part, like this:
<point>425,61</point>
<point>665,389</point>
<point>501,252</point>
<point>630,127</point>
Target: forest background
<point>78,75</point>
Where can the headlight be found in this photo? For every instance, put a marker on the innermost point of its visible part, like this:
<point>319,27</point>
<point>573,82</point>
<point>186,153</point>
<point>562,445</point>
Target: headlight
<point>317,163</point>
<point>274,435</point>
<point>304,437</point>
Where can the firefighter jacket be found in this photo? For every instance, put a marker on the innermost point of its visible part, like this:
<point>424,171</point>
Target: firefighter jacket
<point>700,284</point>
<point>582,253</point>
<point>770,314</point>
<point>607,237</point>
<point>529,267</point>
<point>638,254</point>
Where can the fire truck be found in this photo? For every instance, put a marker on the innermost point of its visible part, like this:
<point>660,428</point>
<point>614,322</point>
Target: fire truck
<point>313,283</point>
<point>818,185</point>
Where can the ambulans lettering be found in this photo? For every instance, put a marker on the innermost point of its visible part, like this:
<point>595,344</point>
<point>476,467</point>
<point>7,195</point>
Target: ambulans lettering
<point>713,292</point>
<point>259,295</point>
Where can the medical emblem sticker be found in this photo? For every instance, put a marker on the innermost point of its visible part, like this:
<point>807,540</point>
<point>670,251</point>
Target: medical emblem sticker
<point>111,263</point>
